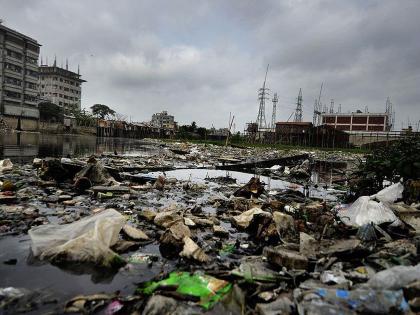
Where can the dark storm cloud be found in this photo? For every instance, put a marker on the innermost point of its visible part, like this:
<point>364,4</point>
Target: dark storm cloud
<point>201,60</point>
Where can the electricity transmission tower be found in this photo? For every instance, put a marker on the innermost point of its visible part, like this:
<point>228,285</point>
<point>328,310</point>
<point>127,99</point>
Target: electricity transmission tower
<point>262,96</point>
<point>273,116</point>
<point>298,112</point>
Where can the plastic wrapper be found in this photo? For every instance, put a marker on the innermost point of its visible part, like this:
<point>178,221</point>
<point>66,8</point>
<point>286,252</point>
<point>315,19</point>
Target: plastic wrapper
<point>207,289</point>
<point>86,241</point>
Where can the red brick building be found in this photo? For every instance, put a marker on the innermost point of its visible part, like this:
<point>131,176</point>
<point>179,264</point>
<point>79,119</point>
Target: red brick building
<point>373,122</point>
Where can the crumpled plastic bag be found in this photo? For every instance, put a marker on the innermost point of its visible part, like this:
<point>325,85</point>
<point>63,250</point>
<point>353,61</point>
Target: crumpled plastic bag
<point>390,193</point>
<point>85,241</point>
<point>6,165</point>
<point>364,211</point>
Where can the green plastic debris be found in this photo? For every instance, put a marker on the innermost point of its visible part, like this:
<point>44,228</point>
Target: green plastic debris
<point>227,249</point>
<point>209,289</point>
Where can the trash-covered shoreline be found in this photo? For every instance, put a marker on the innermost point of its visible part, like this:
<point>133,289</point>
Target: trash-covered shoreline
<point>194,229</point>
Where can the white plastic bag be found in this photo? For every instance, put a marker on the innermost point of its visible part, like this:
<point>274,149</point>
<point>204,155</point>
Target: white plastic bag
<point>86,240</point>
<point>390,193</point>
<point>364,211</point>
<point>6,165</point>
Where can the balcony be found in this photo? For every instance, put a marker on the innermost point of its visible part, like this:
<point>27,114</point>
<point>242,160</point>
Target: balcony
<point>18,62</point>
<point>13,74</point>
<point>31,79</point>
<point>13,46</point>
<point>31,66</point>
<point>12,87</point>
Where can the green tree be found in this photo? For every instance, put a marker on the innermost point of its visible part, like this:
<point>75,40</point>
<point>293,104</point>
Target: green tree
<point>102,111</point>
<point>193,126</point>
<point>50,112</point>
<point>400,159</point>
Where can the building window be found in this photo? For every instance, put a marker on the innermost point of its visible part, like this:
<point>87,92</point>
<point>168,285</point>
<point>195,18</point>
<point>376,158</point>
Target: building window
<point>13,67</point>
<point>30,85</point>
<point>13,81</point>
<point>14,54</point>
<point>32,60</point>
<point>13,94</point>
<point>30,98</point>
<point>32,73</point>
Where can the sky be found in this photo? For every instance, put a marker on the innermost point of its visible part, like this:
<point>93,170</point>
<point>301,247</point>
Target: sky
<point>202,60</point>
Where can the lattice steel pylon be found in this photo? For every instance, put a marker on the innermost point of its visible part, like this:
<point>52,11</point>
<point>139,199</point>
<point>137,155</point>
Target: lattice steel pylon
<point>298,112</point>
<point>262,97</point>
<point>273,115</point>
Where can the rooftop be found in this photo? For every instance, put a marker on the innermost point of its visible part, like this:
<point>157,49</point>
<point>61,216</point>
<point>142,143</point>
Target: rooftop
<point>48,70</point>
<point>293,123</point>
<point>16,33</point>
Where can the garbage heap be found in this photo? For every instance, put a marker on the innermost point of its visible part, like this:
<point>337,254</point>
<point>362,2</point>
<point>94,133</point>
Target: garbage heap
<point>234,249</point>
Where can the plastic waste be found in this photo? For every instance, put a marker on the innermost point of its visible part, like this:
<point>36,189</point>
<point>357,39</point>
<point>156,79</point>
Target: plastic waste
<point>192,251</point>
<point>227,249</point>
<point>244,219</point>
<point>6,165</point>
<point>390,193</point>
<point>338,301</point>
<point>207,289</point>
<point>253,268</point>
<point>394,278</point>
<point>141,258</point>
<point>86,240</point>
<point>365,211</point>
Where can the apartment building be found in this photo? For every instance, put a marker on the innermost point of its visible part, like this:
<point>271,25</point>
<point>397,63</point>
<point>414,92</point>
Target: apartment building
<point>163,120</point>
<point>18,76</point>
<point>60,86</point>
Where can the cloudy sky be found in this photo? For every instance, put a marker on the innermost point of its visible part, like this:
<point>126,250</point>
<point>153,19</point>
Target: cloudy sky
<point>201,60</point>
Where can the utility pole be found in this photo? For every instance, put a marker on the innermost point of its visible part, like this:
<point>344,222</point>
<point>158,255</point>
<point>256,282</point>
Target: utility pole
<point>262,96</point>
<point>390,113</point>
<point>273,116</point>
<point>230,127</point>
<point>339,108</point>
<point>298,112</point>
<point>318,108</point>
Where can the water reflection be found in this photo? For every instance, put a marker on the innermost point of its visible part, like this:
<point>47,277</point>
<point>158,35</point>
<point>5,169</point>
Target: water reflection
<point>22,147</point>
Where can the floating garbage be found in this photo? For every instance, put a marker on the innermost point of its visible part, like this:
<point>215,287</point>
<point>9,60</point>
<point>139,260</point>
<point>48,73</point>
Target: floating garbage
<point>85,241</point>
<point>206,290</point>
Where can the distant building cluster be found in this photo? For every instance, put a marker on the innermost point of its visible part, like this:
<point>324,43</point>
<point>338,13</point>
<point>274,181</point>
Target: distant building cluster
<point>24,83</point>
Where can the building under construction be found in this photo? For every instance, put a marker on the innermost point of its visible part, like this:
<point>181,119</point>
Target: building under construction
<point>306,134</point>
<point>358,121</point>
